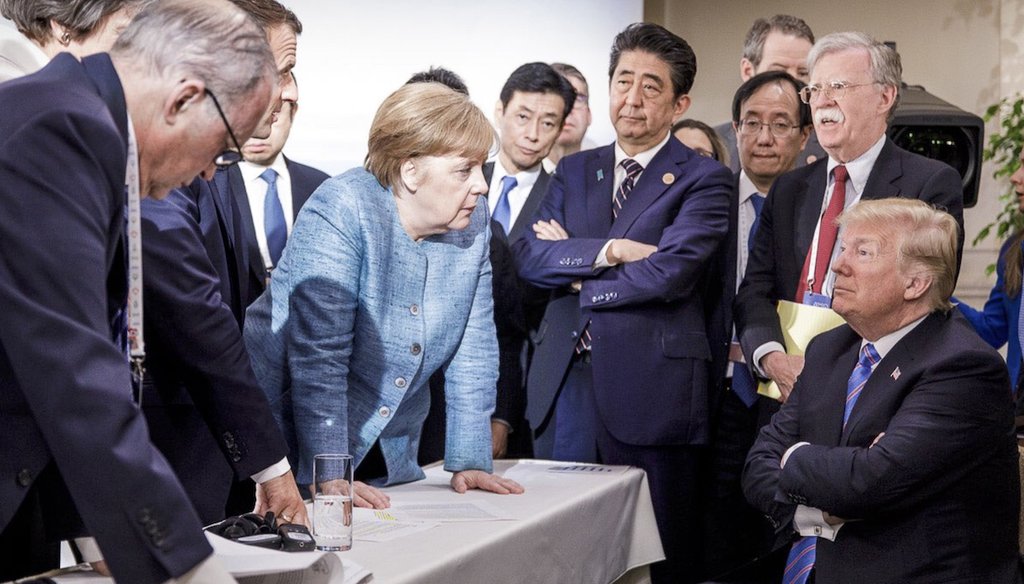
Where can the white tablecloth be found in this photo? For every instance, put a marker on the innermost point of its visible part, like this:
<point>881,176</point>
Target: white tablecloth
<point>585,528</point>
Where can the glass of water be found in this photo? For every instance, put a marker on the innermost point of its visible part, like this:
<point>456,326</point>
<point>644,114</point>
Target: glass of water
<point>332,501</point>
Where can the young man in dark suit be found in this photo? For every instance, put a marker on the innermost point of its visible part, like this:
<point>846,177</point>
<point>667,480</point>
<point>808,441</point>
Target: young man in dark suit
<point>896,446</point>
<point>624,238</point>
<point>206,411</point>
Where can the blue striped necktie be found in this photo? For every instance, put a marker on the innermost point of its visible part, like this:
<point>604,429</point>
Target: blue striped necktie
<point>801,556</point>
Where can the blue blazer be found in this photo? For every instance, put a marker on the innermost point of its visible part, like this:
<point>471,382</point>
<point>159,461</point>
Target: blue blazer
<point>357,318</point>
<point>65,394</point>
<point>647,319</point>
<point>997,322</point>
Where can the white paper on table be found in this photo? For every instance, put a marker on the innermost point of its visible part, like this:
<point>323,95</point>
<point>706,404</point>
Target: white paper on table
<point>366,526</point>
<point>443,512</point>
<point>547,472</point>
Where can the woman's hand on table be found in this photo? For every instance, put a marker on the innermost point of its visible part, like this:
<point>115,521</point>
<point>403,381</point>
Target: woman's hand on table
<point>464,480</point>
<point>370,497</point>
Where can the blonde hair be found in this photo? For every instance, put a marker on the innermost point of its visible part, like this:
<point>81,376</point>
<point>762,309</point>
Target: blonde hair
<point>925,238</point>
<point>425,119</point>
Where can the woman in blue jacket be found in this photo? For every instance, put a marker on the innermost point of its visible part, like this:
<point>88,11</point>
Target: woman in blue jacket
<point>997,322</point>
<point>386,278</point>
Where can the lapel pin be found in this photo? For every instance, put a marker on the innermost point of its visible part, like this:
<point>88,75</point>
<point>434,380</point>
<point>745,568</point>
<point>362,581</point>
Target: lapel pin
<point>668,178</point>
<point>600,175</point>
<point>896,374</point>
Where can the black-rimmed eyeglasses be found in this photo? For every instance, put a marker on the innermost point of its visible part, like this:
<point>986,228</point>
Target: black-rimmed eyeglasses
<point>228,157</point>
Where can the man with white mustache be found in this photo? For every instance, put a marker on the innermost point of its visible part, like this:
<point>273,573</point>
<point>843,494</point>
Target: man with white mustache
<point>854,89</point>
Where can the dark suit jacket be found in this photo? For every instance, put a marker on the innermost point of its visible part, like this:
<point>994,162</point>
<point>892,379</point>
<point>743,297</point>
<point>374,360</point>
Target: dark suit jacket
<point>65,394</point>
<point>937,498</point>
<point>720,293</point>
<point>647,319</point>
<point>790,215</point>
<point>206,410</point>
<point>304,180</point>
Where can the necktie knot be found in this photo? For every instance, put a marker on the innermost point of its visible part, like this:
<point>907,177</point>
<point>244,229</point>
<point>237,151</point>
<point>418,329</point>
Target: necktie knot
<point>868,356</point>
<point>503,209</point>
<point>840,173</point>
<point>269,175</point>
<point>757,200</point>
<point>631,167</point>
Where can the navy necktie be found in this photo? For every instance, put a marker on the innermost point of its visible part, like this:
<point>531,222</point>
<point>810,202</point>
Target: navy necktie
<point>633,169</point>
<point>273,217</point>
<point>757,200</point>
<point>502,210</point>
<point>743,384</point>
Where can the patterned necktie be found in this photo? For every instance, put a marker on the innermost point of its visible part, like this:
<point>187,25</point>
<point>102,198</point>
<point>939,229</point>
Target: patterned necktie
<point>273,217</point>
<point>859,377</point>
<point>632,168</point>
<point>802,555</point>
<point>502,210</point>
<point>826,236</point>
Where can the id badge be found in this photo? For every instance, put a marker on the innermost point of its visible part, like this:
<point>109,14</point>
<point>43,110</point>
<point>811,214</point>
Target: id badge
<point>821,300</point>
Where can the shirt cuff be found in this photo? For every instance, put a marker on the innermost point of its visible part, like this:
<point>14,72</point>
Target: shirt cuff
<point>89,549</point>
<point>272,472</point>
<point>601,261</point>
<point>760,352</point>
<point>790,451</point>
<point>502,422</point>
<point>810,521</point>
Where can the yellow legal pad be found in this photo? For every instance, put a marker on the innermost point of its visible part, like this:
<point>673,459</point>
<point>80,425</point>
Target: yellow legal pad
<point>800,323</point>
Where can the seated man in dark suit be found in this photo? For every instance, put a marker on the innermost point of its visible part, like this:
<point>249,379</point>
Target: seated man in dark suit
<point>79,143</point>
<point>897,445</point>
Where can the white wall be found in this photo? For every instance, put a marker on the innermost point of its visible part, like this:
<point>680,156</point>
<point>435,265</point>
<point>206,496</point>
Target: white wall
<point>352,55</point>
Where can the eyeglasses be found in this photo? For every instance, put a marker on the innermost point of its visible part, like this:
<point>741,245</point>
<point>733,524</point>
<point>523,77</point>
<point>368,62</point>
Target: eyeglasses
<point>833,90</point>
<point>753,127</point>
<point>228,157</point>
<point>582,98</point>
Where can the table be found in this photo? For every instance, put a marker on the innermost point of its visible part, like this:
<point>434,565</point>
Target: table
<point>568,527</point>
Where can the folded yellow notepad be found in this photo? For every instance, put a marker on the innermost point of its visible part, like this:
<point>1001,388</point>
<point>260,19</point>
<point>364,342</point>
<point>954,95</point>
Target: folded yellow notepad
<point>800,323</point>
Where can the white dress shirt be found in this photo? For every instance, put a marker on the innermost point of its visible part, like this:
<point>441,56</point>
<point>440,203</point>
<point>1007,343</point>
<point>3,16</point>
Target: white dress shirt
<point>256,190</point>
<point>518,195</point>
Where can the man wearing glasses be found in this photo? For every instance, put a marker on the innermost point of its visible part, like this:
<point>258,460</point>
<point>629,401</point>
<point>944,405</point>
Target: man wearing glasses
<point>772,126</point>
<point>205,409</point>
<point>854,89</point>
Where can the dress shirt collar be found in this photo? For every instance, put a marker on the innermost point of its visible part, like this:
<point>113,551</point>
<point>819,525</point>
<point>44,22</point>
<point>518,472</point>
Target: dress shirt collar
<point>887,342</point>
<point>859,168</point>
<point>252,171</point>
<point>524,179</point>
<point>747,188</point>
<point>644,158</point>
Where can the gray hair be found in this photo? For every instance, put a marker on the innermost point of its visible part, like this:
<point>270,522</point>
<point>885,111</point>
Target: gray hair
<point>80,17</point>
<point>208,39</point>
<point>753,45</point>
<point>886,67</point>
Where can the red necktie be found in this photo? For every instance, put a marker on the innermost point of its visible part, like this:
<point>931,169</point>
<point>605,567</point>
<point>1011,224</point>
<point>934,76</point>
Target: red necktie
<point>826,236</point>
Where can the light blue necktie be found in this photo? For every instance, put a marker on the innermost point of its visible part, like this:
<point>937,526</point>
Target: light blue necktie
<point>801,556</point>
<point>273,217</point>
<point>502,211</point>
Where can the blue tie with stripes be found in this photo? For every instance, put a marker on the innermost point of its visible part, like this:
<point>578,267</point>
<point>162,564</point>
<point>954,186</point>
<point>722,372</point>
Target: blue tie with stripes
<point>801,556</point>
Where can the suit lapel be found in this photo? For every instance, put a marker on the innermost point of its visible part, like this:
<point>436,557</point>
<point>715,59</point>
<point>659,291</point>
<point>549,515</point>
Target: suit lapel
<point>599,169</point>
<point>660,174</point>
<point>246,227</point>
<point>810,212</point>
<point>887,170</point>
<point>838,376</point>
<point>530,207</point>
<point>891,375</point>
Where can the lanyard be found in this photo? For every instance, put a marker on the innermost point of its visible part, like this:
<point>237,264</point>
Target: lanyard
<point>136,341</point>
